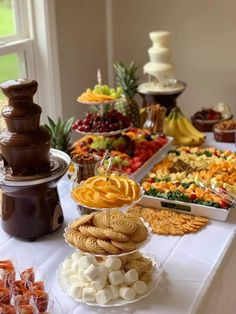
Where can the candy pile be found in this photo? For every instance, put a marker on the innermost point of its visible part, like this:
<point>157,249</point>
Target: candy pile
<point>105,279</point>
<point>107,232</point>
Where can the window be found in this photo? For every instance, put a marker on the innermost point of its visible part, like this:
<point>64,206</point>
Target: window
<point>15,42</point>
<point>28,48</point>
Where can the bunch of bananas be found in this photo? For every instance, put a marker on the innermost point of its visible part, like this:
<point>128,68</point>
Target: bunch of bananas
<point>184,133</point>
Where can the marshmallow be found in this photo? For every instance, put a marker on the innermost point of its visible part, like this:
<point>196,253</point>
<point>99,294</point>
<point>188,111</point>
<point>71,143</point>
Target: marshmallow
<point>131,276</point>
<point>113,263</point>
<point>140,287</point>
<point>103,296</point>
<point>66,264</point>
<point>66,274</point>
<point>98,284</point>
<point>114,291</point>
<point>88,294</point>
<point>75,256</point>
<point>127,293</point>
<point>72,278</point>
<point>85,261</point>
<point>75,291</point>
<point>75,266</point>
<point>81,277</point>
<point>91,272</point>
<point>116,277</point>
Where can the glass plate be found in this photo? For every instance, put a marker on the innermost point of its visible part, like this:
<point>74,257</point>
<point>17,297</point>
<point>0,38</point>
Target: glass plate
<point>111,133</point>
<point>153,285</point>
<point>101,209</point>
<point>106,102</point>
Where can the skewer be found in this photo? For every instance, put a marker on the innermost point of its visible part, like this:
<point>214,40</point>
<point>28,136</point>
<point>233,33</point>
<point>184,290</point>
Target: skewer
<point>221,192</point>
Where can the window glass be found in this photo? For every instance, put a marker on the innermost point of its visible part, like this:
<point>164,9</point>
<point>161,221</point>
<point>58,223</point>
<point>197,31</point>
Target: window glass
<point>9,69</point>
<point>7,18</point>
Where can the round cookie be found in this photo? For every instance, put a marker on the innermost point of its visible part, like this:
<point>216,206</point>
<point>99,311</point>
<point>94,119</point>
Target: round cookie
<point>81,221</point>
<point>97,232</point>
<point>124,246</point>
<point>139,235</point>
<point>115,235</point>
<point>124,225</point>
<point>108,247</point>
<point>84,230</point>
<point>93,247</point>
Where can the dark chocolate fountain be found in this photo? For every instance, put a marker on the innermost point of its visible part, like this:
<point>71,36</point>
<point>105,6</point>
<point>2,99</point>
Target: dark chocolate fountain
<point>29,170</point>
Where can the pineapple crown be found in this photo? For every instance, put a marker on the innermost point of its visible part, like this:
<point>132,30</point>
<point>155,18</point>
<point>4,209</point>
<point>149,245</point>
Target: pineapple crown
<point>60,133</point>
<point>127,78</point>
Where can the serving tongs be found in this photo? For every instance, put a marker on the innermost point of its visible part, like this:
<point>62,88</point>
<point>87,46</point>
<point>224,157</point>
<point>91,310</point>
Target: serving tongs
<point>228,197</point>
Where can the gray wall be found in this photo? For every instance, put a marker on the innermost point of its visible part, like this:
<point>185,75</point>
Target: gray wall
<point>81,31</point>
<point>202,37</point>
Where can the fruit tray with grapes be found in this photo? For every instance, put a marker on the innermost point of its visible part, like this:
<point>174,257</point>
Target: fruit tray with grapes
<point>131,151</point>
<point>196,179</point>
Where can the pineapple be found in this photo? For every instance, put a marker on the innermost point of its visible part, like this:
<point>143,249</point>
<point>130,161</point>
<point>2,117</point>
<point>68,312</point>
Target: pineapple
<point>60,133</point>
<point>127,79</point>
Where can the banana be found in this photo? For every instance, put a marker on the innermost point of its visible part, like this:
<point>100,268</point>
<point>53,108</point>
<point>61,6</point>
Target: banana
<point>182,137</point>
<point>169,124</point>
<point>191,129</point>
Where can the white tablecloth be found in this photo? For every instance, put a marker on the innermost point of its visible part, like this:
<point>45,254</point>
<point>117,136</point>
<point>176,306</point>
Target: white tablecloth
<point>200,275</point>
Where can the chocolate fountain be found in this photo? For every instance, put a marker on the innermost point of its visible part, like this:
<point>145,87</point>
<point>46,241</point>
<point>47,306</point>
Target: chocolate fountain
<point>29,169</point>
<point>162,87</point>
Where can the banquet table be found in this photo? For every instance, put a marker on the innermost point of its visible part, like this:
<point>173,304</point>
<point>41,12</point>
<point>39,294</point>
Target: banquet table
<point>199,272</point>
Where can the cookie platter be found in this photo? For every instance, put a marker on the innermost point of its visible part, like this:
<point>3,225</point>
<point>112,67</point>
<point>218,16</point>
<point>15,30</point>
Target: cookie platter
<point>142,245</point>
<point>111,291</point>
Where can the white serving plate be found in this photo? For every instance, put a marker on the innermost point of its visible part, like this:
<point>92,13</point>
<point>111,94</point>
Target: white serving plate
<point>156,279</point>
<point>141,245</point>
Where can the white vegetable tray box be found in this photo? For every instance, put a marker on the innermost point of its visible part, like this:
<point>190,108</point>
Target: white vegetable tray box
<point>214,213</point>
<point>184,207</point>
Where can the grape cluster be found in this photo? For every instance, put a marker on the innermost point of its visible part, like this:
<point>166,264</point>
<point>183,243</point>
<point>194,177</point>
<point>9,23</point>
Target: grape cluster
<point>112,120</point>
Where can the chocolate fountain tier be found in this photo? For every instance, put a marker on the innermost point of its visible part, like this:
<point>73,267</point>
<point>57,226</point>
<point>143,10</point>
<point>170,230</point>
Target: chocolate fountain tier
<point>26,153</point>
<point>30,205</point>
<point>25,145</point>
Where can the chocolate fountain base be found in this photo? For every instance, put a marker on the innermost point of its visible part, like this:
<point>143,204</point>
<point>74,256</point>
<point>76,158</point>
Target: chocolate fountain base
<point>166,99</point>
<point>31,212</point>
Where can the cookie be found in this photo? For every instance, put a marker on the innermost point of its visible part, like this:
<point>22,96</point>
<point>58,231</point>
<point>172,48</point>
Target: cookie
<point>115,235</point>
<point>79,241</point>
<point>124,246</point>
<point>108,247</point>
<point>124,225</point>
<point>84,230</point>
<point>102,219</point>
<point>81,221</point>
<point>96,232</point>
<point>139,235</point>
<point>93,247</point>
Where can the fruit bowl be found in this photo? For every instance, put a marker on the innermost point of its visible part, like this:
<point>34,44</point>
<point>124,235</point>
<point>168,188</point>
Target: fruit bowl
<point>86,209</point>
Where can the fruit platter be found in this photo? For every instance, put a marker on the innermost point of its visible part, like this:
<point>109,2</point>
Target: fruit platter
<point>131,151</point>
<point>186,179</point>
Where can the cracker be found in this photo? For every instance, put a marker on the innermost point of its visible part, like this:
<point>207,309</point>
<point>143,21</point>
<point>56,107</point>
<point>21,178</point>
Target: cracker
<point>81,221</point>
<point>115,235</point>
<point>108,247</point>
<point>124,246</point>
<point>124,225</point>
<point>93,247</point>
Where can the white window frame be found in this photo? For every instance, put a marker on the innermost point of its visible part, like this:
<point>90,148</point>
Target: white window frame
<point>36,40</point>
